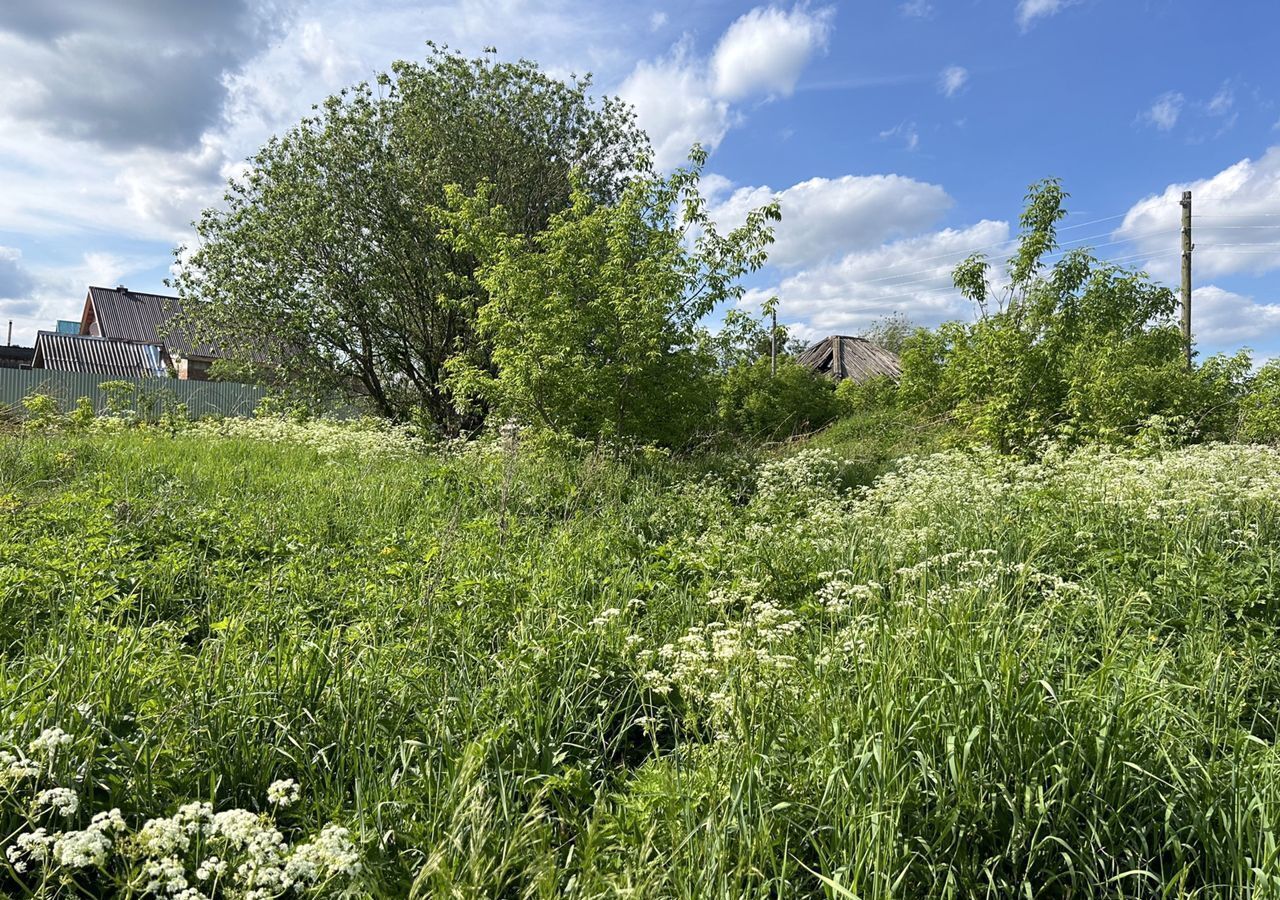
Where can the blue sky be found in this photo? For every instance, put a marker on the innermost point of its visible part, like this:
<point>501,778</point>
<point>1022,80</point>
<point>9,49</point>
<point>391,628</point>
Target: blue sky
<point>898,135</point>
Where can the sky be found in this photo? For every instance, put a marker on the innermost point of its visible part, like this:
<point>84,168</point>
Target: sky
<point>898,135</point>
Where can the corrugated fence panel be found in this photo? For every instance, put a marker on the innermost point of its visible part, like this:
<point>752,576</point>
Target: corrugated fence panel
<point>202,398</point>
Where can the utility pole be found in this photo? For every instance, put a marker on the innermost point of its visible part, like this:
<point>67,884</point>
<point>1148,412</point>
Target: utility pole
<point>1187,247</point>
<point>773,344</point>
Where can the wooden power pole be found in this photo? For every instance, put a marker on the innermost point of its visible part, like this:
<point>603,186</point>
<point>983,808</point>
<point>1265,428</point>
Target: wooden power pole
<point>1187,247</point>
<point>773,345</point>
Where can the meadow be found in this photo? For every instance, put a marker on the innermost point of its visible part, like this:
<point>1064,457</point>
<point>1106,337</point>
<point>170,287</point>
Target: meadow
<point>265,659</point>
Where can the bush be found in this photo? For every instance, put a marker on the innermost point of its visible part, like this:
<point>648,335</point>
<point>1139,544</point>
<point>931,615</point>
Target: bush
<point>1079,352</point>
<point>42,410</point>
<point>880,392</point>
<point>756,404</point>
<point>1260,406</point>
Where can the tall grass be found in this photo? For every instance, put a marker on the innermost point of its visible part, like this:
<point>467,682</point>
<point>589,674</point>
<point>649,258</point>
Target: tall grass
<point>538,673</point>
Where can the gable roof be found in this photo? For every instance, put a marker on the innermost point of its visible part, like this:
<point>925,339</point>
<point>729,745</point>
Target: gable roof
<point>128,315</point>
<point>85,353</point>
<point>842,356</point>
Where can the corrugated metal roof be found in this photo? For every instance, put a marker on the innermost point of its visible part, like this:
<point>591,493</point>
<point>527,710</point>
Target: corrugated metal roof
<point>12,357</point>
<point>841,356</point>
<point>103,356</point>
<point>148,318</point>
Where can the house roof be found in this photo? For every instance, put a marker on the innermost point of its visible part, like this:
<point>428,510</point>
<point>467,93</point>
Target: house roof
<point>103,356</point>
<point>12,357</point>
<point>842,356</point>
<point>147,318</point>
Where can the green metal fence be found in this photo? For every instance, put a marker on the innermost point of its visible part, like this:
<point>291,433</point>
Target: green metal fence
<point>149,397</point>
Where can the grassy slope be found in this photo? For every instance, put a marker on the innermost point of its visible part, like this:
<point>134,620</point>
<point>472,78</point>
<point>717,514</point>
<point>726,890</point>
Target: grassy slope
<point>529,676</point>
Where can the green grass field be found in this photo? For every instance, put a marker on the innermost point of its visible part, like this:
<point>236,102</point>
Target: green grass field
<point>527,672</point>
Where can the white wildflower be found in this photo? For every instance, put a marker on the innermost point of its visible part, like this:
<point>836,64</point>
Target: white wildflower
<point>82,849</point>
<point>14,769</point>
<point>284,792</point>
<point>165,876</point>
<point>63,801</point>
<point>48,743</point>
<point>328,855</point>
<point>213,867</point>
<point>33,846</point>
<point>107,821</point>
<point>163,837</point>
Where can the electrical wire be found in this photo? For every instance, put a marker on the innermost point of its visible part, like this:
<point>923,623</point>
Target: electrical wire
<point>958,255</point>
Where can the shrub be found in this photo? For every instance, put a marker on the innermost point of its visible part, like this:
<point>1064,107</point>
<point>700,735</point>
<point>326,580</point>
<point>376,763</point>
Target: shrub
<point>756,404</point>
<point>1260,406</point>
<point>82,416</point>
<point>42,410</point>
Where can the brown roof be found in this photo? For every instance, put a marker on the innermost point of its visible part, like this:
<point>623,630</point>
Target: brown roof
<point>841,356</point>
<point>84,353</point>
<point>147,318</point>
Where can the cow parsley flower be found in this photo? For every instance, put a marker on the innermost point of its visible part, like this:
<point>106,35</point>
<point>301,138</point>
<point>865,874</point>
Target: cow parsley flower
<point>14,769</point>
<point>163,837</point>
<point>62,801</point>
<point>49,741</point>
<point>165,875</point>
<point>82,849</point>
<point>284,792</point>
<point>33,846</point>
<point>213,867</point>
<point>330,854</point>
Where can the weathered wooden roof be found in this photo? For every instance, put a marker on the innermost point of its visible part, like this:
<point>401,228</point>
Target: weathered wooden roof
<point>103,356</point>
<point>147,318</point>
<point>842,356</point>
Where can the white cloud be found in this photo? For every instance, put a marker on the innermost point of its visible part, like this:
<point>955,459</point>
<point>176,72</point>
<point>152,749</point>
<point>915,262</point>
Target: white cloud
<point>952,80</point>
<point>675,105</point>
<point>657,21</point>
<point>1164,112</point>
<point>15,280</point>
<point>58,291</point>
<point>917,9</point>
<point>824,217</point>
<point>1238,234</point>
<point>911,276</point>
<point>763,52</point>
<point>1030,10</point>
<point>682,98</point>
<point>906,132</point>
<point>1222,101</point>
<point>1224,318</point>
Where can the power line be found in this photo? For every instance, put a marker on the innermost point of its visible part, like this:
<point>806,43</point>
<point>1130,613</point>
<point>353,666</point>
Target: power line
<point>961,254</point>
<point>926,292</point>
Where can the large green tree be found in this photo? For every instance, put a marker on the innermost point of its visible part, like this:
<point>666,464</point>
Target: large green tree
<point>322,269</point>
<point>595,322</point>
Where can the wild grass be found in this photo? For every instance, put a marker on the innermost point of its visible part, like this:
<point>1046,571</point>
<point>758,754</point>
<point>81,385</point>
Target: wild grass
<point>525,672</point>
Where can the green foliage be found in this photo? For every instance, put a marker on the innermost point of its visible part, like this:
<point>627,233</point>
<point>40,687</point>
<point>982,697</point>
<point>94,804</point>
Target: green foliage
<point>83,414</point>
<point>120,396</point>
<point>880,392</point>
<point>510,670</point>
<point>594,323</point>
<point>41,410</point>
<point>760,405</point>
<point>322,271</point>
<point>1260,406</point>
<point>1082,350</point>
